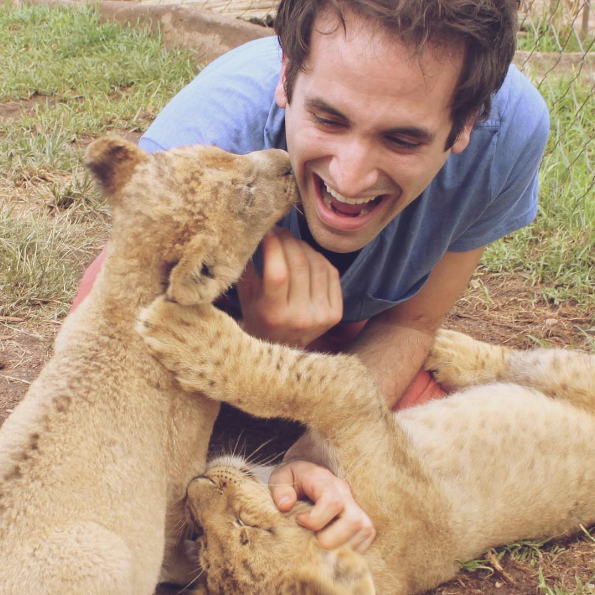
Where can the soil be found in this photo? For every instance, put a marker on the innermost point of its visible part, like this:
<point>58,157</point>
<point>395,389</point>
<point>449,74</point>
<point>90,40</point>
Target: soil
<point>498,309</point>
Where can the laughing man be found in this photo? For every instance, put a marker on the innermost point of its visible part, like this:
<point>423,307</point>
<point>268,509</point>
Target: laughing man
<point>414,144</point>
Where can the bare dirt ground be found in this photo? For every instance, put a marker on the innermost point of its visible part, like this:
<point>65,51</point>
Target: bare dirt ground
<point>497,309</point>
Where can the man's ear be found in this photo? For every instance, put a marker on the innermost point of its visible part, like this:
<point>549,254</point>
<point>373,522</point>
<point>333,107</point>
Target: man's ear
<point>193,280</point>
<point>113,160</point>
<point>280,95</point>
<point>463,139</point>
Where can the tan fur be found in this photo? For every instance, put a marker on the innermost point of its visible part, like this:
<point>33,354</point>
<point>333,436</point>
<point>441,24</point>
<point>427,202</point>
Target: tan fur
<point>509,456</point>
<point>95,461</point>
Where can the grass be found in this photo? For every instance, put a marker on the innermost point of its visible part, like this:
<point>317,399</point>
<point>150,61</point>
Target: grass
<point>537,557</point>
<point>580,588</point>
<point>66,78</point>
<point>552,27</point>
<point>78,77</point>
<point>36,259</point>
<point>557,252</point>
<point>545,36</point>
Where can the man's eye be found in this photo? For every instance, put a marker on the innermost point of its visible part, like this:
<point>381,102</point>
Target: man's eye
<point>325,122</point>
<point>400,143</point>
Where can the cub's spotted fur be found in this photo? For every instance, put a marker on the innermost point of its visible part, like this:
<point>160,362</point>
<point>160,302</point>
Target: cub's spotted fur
<point>95,461</point>
<point>509,455</point>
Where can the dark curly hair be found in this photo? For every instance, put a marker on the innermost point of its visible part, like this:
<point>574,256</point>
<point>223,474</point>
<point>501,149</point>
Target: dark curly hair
<point>486,28</point>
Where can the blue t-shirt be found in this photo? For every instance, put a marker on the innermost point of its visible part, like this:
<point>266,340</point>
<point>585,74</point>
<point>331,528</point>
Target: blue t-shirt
<point>479,195</point>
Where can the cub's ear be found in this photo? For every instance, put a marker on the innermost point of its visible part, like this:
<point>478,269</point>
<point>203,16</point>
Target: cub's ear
<point>194,279</point>
<point>112,160</point>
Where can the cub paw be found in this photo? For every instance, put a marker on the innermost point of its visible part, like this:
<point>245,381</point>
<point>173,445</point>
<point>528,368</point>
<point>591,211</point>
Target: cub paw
<point>457,361</point>
<point>178,337</point>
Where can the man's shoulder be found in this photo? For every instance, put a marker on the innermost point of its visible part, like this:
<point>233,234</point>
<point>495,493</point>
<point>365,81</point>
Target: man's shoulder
<point>255,57</point>
<point>229,104</point>
<point>517,101</point>
<point>514,132</point>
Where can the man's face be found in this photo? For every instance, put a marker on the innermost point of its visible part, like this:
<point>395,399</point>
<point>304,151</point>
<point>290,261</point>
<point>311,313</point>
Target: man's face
<point>366,129</point>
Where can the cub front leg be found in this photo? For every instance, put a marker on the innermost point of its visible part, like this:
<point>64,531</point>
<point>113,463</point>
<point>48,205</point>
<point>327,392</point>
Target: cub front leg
<point>208,352</point>
<point>458,361</point>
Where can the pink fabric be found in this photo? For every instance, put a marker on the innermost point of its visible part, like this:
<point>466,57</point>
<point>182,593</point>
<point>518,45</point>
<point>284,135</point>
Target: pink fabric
<point>87,281</point>
<point>423,388</point>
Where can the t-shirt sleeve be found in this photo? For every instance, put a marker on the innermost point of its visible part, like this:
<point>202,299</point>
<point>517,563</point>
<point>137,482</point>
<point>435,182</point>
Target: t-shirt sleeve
<point>229,104</point>
<point>513,184</point>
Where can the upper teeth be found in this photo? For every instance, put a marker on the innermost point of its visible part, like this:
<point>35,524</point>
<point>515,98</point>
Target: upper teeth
<point>349,201</point>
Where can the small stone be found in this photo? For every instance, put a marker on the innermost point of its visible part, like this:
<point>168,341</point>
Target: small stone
<point>551,321</point>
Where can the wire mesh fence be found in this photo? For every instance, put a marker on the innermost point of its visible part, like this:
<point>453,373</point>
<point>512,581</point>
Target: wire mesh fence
<point>556,50</point>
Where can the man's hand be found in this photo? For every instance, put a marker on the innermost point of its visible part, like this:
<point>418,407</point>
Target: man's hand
<point>299,297</point>
<point>335,518</point>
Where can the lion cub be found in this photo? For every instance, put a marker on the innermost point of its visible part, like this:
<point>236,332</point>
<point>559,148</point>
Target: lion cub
<point>95,461</point>
<point>510,455</point>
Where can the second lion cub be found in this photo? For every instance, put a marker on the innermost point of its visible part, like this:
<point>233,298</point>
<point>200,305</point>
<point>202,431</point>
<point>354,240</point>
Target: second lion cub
<point>508,456</point>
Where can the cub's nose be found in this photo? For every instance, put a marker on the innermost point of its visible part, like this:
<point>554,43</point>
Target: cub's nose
<point>276,159</point>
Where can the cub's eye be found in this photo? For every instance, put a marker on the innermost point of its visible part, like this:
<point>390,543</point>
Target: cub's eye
<point>245,520</point>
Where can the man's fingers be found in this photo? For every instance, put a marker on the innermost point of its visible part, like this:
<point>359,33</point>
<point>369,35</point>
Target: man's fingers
<point>282,484</point>
<point>364,545</point>
<point>328,506</point>
<point>335,517</point>
<point>275,270</point>
<point>249,284</point>
<point>298,262</point>
<point>319,270</point>
<point>352,527</point>
<point>335,293</point>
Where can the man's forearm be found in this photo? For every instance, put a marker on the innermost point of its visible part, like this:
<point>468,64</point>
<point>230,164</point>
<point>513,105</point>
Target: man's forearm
<point>393,354</point>
<point>395,343</point>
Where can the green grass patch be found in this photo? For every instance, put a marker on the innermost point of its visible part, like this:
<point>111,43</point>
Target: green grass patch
<point>76,77</point>
<point>66,78</point>
<point>38,263</point>
<point>557,252</point>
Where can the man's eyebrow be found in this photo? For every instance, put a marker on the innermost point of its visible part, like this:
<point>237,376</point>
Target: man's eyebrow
<point>417,132</point>
<point>320,105</point>
<point>421,134</point>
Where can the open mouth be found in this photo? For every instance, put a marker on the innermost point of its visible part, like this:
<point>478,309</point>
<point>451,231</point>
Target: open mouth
<point>344,206</point>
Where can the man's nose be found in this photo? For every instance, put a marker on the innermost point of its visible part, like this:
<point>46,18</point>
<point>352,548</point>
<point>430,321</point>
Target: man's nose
<point>354,168</point>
